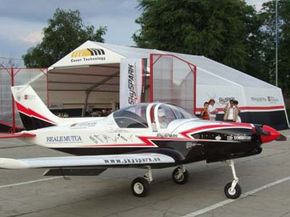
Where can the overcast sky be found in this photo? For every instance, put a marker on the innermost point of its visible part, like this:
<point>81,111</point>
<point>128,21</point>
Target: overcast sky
<point>22,21</point>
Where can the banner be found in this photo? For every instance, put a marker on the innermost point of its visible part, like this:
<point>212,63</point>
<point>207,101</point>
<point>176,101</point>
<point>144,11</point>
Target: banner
<point>131,81</point>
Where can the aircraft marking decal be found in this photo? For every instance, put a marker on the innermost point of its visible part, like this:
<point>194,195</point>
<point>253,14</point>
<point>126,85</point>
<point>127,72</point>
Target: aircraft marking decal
<point>147,142</point>
<point>31,113</point>
<point>150,141</point>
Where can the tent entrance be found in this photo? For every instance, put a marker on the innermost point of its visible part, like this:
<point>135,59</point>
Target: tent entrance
<point>82,89</point>
<point>173,80</point>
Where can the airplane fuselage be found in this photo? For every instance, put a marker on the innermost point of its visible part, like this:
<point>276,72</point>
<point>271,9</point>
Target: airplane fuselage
<point>185,140</point>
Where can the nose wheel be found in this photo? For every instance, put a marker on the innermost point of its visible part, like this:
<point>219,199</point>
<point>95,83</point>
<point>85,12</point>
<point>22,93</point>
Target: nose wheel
<point>233,189</point>
<point>180,175</point>
<point>232,193</point>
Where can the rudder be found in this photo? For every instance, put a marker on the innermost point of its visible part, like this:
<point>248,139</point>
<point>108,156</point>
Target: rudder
<point>33,112</point>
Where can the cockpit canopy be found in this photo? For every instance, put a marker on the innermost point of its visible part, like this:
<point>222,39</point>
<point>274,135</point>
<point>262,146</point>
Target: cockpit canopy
<point>145,115</point>
<point>132,116</point>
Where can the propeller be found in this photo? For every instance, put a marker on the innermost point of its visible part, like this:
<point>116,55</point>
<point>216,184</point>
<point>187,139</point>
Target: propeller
<point>269,134</point>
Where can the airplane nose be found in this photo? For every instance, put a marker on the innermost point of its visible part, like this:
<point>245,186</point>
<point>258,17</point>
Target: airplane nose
<point>270,134</point>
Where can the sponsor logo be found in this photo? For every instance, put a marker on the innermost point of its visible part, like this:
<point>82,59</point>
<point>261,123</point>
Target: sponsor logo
<point>272,99</point>
<point>137,160</point>
<point>239,138</point>
<point>29,97</point>
<point>225,100</point>
<point>259,99</point>
<point>63,139</point>
<point>166,135</point>
<point>88,54</point>
<point>132,99</point>
<point>84,125</point>
<point>190,145</point>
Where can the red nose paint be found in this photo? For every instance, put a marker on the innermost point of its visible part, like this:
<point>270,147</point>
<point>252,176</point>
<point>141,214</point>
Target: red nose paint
<point>272,134</point>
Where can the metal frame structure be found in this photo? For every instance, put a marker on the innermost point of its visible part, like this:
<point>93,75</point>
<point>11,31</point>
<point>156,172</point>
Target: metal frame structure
<point>12,75</point>
<point>191,66</point>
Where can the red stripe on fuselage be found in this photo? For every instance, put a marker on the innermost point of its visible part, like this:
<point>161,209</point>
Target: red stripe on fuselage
<point>216,127</point>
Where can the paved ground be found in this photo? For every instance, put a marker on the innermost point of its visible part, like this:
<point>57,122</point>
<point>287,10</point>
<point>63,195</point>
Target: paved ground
<point>264,178</point>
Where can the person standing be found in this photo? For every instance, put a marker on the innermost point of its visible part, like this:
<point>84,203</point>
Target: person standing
<point>236,103</point>
<point>231,112</point>
<point>204,113</point>
<point>212,110</point>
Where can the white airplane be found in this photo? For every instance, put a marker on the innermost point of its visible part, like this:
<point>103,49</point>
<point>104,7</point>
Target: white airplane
<point>147,135</point>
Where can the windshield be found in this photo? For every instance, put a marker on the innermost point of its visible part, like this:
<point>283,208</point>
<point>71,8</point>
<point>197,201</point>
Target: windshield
<point>168,113</point>
<point>132,117</point>
<point>181,113</point>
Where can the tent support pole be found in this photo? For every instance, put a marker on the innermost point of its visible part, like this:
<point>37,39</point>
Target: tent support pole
<point>86,104</point>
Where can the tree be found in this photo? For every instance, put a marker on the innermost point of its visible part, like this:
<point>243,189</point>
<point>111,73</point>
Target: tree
<point>65,32</point>
<point>219,29</point>
<point>268,28</point>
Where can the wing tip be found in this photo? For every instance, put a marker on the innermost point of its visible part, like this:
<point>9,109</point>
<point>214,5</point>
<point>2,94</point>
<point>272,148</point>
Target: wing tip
<point>10,163</point>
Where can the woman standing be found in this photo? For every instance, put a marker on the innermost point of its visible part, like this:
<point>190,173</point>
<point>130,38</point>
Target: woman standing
<point>204,113</point>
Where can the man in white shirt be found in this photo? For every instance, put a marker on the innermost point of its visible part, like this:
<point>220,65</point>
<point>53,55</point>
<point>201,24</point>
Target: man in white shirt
<point>212,110</point>
<point>231,112</point>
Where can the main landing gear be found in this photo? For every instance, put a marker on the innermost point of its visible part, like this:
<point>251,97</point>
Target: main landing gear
<point>180,175</point>
<point>141,185</point>
<point>233,189</point>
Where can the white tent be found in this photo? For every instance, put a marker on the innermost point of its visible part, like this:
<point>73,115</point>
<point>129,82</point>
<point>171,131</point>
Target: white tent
<point>90,77</point>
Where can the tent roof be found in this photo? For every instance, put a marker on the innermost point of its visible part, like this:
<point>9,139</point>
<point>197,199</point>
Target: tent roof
<point>225,72</point>
<point>91,54</point>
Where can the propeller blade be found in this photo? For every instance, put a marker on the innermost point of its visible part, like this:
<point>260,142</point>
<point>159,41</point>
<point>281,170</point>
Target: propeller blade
<point>281,138</point>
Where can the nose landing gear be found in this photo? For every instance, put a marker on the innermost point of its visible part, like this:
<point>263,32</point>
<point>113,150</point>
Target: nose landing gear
<point>233,189</point>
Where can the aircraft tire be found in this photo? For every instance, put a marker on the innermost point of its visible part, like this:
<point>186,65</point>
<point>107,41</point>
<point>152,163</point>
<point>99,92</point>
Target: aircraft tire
<point>180,178</point>
<point>235,194</point>
<point>140,187</point>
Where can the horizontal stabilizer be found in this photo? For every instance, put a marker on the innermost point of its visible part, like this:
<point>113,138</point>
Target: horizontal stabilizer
<point>16,135</point>
<point>104,161</point>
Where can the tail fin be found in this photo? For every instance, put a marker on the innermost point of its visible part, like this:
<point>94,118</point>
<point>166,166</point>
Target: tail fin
<point>33,112</point>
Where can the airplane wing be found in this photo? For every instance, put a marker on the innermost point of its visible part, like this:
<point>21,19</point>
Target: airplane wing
<point>105,161</point>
